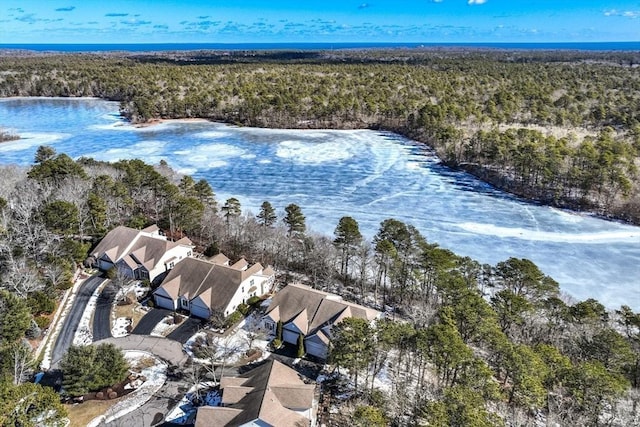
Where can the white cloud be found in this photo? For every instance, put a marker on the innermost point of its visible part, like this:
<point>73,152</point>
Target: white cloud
<point>472,2</point>
<point>625,13</point>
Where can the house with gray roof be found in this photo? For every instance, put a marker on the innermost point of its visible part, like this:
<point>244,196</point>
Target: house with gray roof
<point>203,287</point>
<point>270,395</point>
<point>140,254</point>
<point>311,313</point>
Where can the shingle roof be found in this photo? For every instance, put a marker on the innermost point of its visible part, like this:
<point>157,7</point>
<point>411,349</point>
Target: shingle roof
<point>115,242</point>
<point>296,301</point>
<point>136,246</point>
<point>216,284</point>
<point>274,389</point>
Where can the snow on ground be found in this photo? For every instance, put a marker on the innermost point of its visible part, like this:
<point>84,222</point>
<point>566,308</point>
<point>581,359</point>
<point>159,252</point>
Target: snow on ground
<point>51,340</point>
<point>84,335</point>
<point>119,328</point>
<point>163,327</point>
<point>155,375</point>
<point>232,347</point>
<point>184,412</point>
<point>382,380</point>
<point>136,286</point>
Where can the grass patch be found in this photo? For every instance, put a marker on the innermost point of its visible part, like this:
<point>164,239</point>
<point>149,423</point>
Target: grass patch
<point>81,414</point>
<point>141,363</point>
<point>132,311</point>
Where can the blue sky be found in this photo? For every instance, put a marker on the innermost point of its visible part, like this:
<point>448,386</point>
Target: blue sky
<point>254,21</point>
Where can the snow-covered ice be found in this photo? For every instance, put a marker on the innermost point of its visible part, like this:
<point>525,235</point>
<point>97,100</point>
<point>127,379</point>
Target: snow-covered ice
<point>367,175</point>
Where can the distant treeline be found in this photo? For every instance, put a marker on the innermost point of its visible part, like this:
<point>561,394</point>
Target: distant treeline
<point>559,127</point>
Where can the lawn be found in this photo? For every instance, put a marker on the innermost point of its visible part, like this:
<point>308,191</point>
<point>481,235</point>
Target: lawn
<point>81,414</point>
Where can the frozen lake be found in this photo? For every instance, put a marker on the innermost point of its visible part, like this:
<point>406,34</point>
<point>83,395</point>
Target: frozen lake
<point>365,174</point>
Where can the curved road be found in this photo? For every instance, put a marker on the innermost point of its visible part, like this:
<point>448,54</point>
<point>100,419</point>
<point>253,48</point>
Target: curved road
<point>72,319</point>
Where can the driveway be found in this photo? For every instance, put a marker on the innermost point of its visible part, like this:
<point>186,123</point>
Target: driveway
<point>102,315</point>
<point>165,349</point>
<point>72,319</point>
<point>150,320</point>
<point>186,330</point>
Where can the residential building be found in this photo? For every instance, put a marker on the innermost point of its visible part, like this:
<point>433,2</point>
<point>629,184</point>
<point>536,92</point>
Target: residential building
<point>311,313</point>
<point>203,287</point>
<point>140,254</point>
<point>270,395</point>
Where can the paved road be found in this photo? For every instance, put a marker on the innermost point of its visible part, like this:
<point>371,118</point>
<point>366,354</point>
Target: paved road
<point>186,330</point>
<point>165,349</point>
<point>102,315</point>
<point>150,320</point>
<point>152,413</point>
<point>72,319</point>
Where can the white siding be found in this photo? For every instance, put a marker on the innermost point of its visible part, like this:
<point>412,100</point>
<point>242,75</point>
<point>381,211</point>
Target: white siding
<point>179,252</point>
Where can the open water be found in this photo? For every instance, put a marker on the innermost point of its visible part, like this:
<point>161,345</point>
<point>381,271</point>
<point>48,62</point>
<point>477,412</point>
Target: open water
<point>365,174</point>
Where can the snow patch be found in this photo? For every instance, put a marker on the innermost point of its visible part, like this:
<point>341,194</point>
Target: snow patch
<point>632,234</point>
<point>30,140</point>
<point>313,153</point>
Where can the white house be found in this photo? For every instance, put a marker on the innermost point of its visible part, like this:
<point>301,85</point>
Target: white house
<point>311,313</point>
<point>140,254</point>
<point>270,395</point>
<point>204,287</point>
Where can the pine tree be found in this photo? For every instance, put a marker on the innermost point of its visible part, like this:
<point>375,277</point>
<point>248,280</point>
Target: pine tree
<point>267,215</point>
<point>294,219</point>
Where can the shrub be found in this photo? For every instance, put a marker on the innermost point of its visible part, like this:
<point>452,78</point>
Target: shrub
<point>253,301</point>
<point>40,303</point>
<point>233,318</point>
<point>42,322</point>
<point>33,331</point>
<point>212,250</point>
<point>244,309</point>
<point>276,343</point>
<point>300,352</point>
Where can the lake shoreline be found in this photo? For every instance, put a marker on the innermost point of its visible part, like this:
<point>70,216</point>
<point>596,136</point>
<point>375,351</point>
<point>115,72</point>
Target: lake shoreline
<point>487,175</point>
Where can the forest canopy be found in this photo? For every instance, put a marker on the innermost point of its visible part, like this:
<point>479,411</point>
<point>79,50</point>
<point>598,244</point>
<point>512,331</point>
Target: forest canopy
<point>559,127</point>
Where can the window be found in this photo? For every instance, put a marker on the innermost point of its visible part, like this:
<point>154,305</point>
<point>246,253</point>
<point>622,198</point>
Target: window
<point>189,253</point>
<point>242,290</point>
<point>251,282</point>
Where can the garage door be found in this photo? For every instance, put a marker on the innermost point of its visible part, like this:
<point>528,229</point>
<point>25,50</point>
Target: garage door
<point>163,302</point>
<point>290,336</point>
<point>199,311</point>
<point>315,349</point>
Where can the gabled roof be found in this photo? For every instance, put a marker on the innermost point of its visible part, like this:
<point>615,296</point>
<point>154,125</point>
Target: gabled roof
<point>294,298</point>
<point>219,259</point>
<point>267,393</point>
<point>215,284</point>
<point>115,243</point>
<point>319,308</point>
<point>134,247</point>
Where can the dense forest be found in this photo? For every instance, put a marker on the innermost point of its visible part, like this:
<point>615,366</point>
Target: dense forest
<point>562,128</point>
<point>464,344</point>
